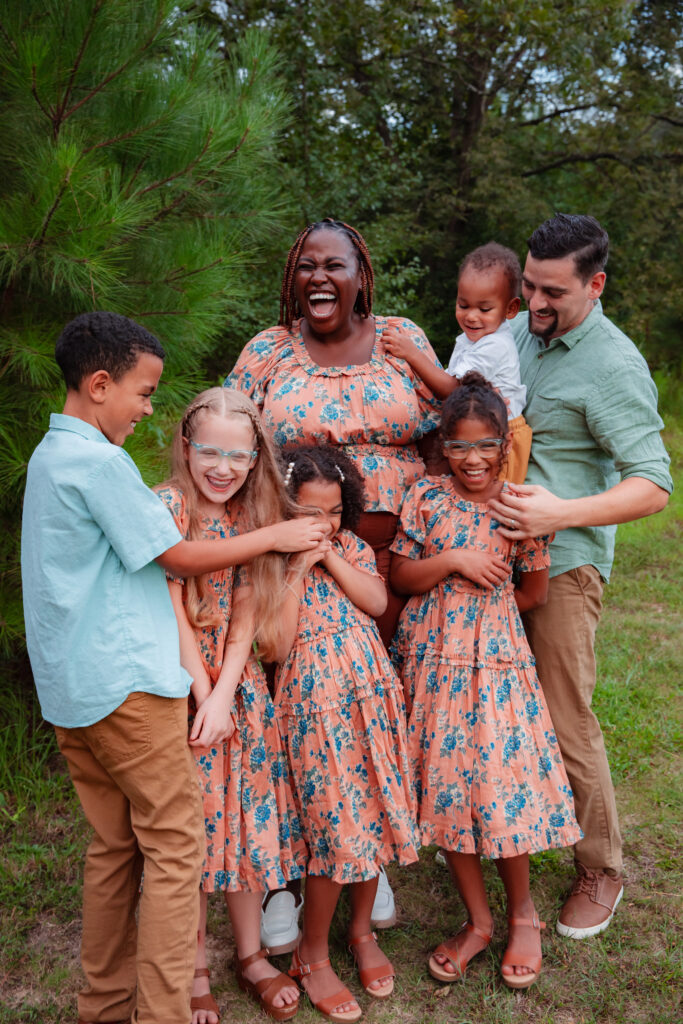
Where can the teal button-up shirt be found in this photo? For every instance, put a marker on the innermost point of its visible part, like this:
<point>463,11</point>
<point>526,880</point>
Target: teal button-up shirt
<point>99,619</point>
<point>592,406</point>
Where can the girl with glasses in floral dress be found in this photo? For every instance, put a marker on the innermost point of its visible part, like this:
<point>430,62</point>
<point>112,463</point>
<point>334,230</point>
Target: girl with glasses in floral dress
<point>486,768</point>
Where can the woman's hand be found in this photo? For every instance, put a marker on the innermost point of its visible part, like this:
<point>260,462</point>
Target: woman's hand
<point>302,534</point>
<point>214,722</point>
<point>482,567</point>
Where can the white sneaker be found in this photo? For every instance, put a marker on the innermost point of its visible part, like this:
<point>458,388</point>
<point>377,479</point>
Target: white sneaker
<point>384,908</point>
<point>440,858</point>
<point>280,922</point>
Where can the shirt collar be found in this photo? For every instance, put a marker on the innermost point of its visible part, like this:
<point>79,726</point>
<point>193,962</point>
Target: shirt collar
<point>58,421</point>
<point>573,337</point>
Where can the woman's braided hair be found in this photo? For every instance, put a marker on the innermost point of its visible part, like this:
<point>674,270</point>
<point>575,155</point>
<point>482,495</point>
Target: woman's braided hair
<point>289,307</point>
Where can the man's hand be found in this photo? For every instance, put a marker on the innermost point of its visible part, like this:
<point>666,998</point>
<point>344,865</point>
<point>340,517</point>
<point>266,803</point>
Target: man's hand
<point>528,510</point>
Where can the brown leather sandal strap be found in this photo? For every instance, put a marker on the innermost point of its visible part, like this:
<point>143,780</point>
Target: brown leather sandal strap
<point>486,936</point>
<point>330,1003</point>
<point>252,958</point>
<point>202,972</point>
<point>369,974</point>
<point>360,939</point>
<point>529,922</point>
<point>299,969</point>
<point>268,988</point>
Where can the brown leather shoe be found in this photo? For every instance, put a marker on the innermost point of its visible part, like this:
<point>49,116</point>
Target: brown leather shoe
<point>591,904</point>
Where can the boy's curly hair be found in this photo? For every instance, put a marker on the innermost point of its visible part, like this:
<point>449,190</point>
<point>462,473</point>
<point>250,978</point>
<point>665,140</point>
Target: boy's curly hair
<point>324,462</point>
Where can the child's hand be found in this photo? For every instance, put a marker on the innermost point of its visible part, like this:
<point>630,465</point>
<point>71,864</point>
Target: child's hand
<point>305,560</point>
<point>482,567</point>
<point>299,534</point>
<point>213,723</point>
<point>398,344</point>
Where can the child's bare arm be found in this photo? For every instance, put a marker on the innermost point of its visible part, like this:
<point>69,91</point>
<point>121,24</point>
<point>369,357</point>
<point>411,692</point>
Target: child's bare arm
<point>366,591</point>
<point>418,575</point>
<point>398,344</point>
<point>532,589</point>
<point>194,557</point>
<point>299,566</point>
<point>190,656</point>
<point>214,721</point>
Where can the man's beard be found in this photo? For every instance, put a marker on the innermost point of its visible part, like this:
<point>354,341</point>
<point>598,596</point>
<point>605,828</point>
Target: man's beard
<point>548,332</point>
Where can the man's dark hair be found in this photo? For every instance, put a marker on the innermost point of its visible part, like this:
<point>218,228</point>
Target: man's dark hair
<point>495,255</point>
<point>102,341</point>
<point>572,234</point>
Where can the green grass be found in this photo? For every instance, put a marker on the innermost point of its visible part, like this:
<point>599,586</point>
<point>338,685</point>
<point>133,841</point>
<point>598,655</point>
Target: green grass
<point>629,975</point>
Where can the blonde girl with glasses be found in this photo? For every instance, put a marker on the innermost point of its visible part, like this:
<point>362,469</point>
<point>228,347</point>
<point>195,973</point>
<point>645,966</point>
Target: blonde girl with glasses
<point>486,768</point>
<point>225,482</point>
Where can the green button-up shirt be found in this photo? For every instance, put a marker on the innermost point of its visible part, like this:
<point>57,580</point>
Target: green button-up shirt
<point>592,406</point>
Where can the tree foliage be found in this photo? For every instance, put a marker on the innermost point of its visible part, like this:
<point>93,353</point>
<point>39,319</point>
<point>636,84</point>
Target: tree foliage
<point>437,125</point>
<point>136,174</point>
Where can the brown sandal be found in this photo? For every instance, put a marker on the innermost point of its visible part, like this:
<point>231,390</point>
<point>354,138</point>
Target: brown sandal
<point>369,974</point>
<point>326,1006</point>
<point>454,956</point>
<point>206,1002</point>
<point>265,990</point>
<point>527,958</point>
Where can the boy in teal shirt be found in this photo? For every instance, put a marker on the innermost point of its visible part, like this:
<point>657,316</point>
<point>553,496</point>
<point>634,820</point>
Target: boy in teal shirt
<point>103,643</point>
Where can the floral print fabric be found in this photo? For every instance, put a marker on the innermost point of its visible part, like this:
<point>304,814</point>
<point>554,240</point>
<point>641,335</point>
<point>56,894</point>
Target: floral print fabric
<point>342,719</point>
<point>253,834</point>
<point>376,411</point>
<point>486,766</point>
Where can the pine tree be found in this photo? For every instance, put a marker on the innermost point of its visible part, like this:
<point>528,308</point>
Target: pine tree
<point>136,175</point>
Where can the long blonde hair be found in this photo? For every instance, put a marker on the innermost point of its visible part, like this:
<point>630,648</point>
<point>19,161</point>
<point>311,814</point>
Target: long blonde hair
<point>261,500</point>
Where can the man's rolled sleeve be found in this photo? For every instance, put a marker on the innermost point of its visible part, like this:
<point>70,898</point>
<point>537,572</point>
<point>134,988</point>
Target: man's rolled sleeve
<point>621,413</point>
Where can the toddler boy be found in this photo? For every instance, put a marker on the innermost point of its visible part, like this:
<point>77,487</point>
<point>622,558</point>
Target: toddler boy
<point>489,283</point>
<point>103,643</point>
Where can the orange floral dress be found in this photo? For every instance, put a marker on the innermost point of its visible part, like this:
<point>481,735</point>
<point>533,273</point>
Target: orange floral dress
<point>341,714</point>
<point>375,411</point>
<point>485,762</point>
<point>253,834</point>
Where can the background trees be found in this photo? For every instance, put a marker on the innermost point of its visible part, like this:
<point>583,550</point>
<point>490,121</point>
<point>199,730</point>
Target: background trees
<point>437,125</point>
<point>136,174</point>
<point>158,158</point>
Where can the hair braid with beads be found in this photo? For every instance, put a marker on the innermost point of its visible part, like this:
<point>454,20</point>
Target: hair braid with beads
<point>289,307</point>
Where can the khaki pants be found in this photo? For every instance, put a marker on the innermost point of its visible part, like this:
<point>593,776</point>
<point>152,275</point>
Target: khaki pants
<point>137,783</point>
<point>562,635</point>
<point>517,461</point>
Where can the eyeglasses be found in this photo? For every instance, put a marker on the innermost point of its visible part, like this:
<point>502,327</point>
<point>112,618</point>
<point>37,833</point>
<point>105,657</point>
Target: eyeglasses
<point>209,456</point>
<point>488,448</point>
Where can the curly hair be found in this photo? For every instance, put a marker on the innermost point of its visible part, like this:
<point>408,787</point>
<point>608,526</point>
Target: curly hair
<point>475,398</point>
<point>102,341</point>
<point>495,255</point>
<point>260,501</point>
<point>289,307</point>
<point>324,462</point>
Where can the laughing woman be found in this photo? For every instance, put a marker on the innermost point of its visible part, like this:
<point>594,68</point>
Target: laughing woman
<point>324,375</point>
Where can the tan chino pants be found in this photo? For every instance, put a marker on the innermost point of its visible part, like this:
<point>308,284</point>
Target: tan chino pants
<point>137,783</point>
<point>562,636</point>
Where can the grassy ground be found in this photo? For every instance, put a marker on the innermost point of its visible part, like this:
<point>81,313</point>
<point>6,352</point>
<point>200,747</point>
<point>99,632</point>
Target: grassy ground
<point>631,974</point>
